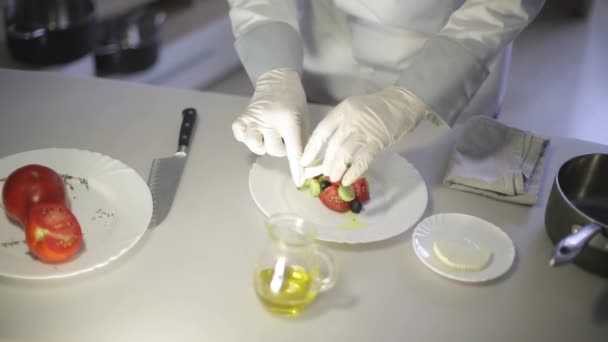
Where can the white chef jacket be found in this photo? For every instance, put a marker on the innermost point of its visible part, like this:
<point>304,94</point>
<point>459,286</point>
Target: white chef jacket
<point>453,54</point>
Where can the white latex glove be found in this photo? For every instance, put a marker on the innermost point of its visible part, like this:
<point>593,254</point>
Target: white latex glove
<point>357,129</point>
<point>276,119</point>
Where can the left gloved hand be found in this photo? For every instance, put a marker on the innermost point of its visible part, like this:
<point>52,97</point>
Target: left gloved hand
<point>276,119</point>
<point>360,127</point>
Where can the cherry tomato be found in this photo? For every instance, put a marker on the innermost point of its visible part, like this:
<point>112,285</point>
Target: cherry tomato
<point>330,198</point>
<point>31,184</point>
<point>52,232</point>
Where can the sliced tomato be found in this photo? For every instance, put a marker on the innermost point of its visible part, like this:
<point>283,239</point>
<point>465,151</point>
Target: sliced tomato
<point>329,197</point>
<point>361,187</point>
<point>52,232</point>
<point>31,184</point>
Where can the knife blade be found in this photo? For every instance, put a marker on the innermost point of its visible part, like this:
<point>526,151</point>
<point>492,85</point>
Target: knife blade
<point>166,173</point>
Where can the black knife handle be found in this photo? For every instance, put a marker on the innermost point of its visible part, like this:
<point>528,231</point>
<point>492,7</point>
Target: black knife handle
<point>185,132</point>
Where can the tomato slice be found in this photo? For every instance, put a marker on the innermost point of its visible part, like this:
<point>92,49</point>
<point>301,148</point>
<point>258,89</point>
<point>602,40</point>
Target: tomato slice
<point>361,187</point>
<point>52,232</point>
<point>330,198</point>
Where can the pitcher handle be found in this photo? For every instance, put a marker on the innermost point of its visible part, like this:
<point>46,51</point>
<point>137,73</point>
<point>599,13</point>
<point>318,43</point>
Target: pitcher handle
<point>329,281</point>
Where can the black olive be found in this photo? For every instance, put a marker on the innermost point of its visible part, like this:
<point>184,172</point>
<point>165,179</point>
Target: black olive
<point>356,206</point>
<point>324,185</point>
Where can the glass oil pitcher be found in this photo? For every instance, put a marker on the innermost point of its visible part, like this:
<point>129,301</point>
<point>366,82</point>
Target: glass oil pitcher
<point>287,274</point>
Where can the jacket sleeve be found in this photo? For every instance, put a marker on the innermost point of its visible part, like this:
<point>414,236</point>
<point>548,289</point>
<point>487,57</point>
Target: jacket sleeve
<point>453,64</point>
<point>267,35</point>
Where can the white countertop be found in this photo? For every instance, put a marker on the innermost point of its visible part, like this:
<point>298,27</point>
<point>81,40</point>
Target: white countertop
<point>190,278</point>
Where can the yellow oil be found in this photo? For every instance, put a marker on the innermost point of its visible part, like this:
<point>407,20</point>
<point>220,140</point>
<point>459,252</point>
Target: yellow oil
<point>297,290</point>
<point>353,222</point>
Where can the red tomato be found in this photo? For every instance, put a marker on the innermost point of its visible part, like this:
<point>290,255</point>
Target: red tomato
<point>52,232</point>
<point>329,197</point>
<point>29,185</point>
<point>361,189</point>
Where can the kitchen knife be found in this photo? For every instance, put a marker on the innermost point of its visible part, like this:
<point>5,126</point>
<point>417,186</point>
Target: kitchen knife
<point>166,172</point>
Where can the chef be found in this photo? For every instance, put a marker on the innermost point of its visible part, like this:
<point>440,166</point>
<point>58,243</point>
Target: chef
<point>384,66</point>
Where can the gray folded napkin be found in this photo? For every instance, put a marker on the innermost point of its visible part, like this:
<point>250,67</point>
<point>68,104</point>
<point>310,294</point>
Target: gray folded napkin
<point>497,161</point>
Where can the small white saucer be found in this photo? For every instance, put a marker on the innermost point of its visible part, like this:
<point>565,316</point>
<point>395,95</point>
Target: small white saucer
<point>470,231</point>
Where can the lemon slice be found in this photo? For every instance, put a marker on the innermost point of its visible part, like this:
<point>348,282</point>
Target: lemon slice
<point>462,256</point>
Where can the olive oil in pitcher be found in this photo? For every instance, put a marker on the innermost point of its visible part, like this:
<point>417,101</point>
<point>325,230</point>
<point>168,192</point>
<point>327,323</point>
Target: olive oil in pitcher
<point>287,274</point>
<point>287,293</point>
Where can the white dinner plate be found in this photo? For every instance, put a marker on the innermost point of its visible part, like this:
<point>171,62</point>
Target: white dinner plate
<point>466,230</point>
<point>398,198</point>
<point>114,209</point>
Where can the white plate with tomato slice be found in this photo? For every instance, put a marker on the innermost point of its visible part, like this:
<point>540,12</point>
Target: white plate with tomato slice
<point>398,197</point>
<point>112,203</point>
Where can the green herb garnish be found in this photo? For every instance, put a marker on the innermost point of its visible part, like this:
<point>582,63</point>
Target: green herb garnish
<point>67,178</point>
<point>11,243</point>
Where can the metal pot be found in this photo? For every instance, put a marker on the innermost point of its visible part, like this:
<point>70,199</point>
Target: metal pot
<point>130,42</point>
<point>49,32</point>
<point>576,217</point>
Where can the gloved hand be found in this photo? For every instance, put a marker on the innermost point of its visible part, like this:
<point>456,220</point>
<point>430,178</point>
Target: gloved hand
<point>357,129</point>
<point>276,119</point>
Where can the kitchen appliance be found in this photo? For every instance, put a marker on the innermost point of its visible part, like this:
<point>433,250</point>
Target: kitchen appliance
<point>576,217</point>
<point>50,32</point>
<point>130,42</point>
<point>197,44</point>
<point>165,173</point>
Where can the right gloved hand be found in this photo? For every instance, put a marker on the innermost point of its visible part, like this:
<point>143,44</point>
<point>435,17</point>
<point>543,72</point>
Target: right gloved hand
<point>351,135</point>
<point>276,119</point>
